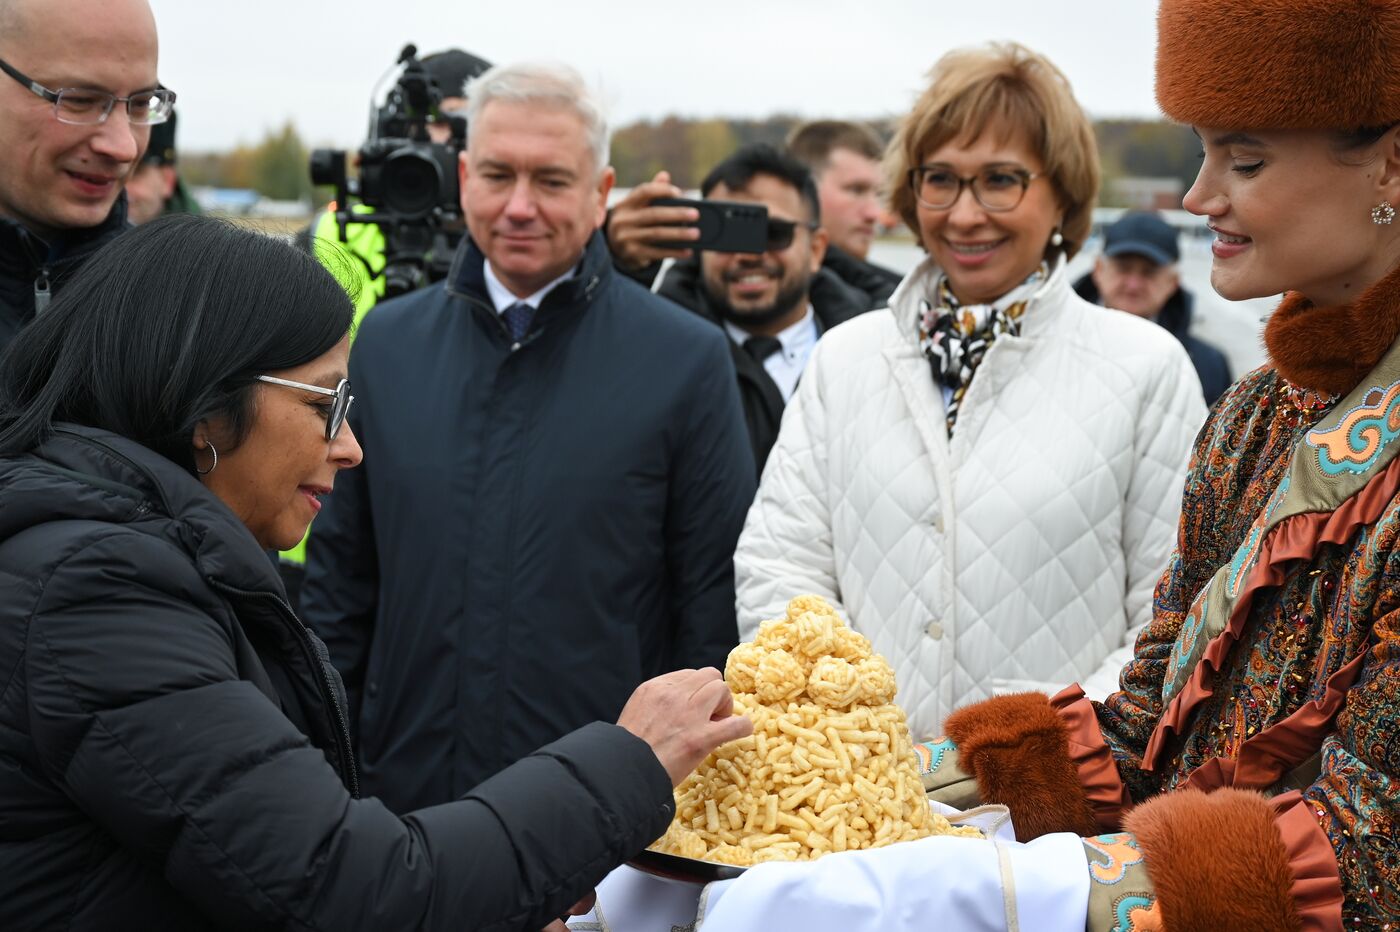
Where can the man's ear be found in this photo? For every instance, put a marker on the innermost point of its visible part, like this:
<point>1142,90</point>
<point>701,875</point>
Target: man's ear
<point>1097,273</point>
<point>462,172</point>
<point>820,240</point>
<point>1174,274</point>
<point>606,179</point>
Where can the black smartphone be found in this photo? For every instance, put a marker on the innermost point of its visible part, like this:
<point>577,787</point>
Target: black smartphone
<point>725,226</point>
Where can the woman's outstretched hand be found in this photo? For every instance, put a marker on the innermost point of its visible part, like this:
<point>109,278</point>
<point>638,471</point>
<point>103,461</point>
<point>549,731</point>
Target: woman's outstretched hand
<point>684,716</point>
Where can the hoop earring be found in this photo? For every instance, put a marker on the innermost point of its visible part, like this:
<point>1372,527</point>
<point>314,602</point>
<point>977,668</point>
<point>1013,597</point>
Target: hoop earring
<point>1056,239</point>
<point>1382,214</point>
<point>213,465</point>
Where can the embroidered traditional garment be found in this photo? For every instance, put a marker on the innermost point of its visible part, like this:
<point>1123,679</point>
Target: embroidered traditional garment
<point>955,337</point>
<point>1273,660</point>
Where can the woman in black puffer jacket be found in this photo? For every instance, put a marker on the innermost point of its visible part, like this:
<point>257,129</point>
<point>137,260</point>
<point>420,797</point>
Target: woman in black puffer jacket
<point>173,746</point>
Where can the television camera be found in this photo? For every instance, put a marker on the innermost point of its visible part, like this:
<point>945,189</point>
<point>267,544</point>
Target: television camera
<point>407,183</point>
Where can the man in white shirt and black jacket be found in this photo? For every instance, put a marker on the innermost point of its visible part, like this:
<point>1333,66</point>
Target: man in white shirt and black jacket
<point>775,305</point>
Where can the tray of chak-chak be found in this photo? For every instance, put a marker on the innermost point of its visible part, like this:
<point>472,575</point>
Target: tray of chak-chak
<point>829,766</point>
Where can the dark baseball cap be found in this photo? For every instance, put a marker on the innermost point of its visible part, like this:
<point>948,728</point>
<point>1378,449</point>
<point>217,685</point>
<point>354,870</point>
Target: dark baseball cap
<point>1141,234</point>
<point>452,69</point>
<point>161,148</point>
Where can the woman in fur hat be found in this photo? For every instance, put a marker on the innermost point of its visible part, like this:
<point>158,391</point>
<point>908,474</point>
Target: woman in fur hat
<point>1247,773</point>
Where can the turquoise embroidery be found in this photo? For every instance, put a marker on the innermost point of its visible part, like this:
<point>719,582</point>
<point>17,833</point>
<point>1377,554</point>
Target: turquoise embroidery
<point>1248,552</point>
<point>931,753</point>
<point>1184,650</point>
<point>1118,852</point>
<point>1124,908</point>
<point>1361,435</point>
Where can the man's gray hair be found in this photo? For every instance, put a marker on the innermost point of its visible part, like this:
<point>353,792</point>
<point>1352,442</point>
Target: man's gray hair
<point>554,85</point>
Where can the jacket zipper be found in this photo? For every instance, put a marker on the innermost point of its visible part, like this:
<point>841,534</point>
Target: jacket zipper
<point>42,291</point>
<point>345,749</point>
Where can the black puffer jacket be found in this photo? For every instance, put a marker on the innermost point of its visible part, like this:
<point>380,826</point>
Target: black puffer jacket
<point>873,281</point>
<point>29,264</point>
<point>173,753</point>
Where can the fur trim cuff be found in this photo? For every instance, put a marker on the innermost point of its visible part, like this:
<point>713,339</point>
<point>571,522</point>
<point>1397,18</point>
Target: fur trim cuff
<point>1017,749</point>
<point>1216,861</point>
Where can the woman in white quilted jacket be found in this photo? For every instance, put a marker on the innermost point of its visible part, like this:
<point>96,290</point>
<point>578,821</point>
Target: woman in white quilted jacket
<point>984,478</point>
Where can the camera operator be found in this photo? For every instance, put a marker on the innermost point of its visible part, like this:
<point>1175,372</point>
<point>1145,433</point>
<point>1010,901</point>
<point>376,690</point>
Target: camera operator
<point>155,188</point>
<point>450,71</point>
<point>416,249</point>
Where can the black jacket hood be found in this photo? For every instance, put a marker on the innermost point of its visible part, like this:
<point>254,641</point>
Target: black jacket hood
<point>95,475</point>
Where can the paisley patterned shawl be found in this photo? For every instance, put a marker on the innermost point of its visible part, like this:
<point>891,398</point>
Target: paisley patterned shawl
<point>1340,478</point>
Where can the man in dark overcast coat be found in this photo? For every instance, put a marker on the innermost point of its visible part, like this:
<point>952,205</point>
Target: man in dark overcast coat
<point>557,471</point>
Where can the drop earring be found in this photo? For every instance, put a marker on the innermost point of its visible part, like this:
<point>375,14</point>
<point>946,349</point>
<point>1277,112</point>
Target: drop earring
<point>1382,214</point>
<point>1058,240</point>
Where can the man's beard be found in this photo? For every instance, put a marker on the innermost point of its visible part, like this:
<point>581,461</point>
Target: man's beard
<point>791,294</point>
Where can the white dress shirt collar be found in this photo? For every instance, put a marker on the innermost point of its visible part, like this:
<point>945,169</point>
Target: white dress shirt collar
<point>785,366</point>
<point>502,297</point>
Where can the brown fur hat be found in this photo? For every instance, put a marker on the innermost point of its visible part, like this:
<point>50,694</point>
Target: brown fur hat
<point>1279,64</point>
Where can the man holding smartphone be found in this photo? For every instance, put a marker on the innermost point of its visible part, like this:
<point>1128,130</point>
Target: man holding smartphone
<point>775,304</point>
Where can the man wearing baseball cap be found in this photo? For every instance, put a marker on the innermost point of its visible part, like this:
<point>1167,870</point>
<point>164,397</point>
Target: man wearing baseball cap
<point>1137,273</point>
<point>155,188</point>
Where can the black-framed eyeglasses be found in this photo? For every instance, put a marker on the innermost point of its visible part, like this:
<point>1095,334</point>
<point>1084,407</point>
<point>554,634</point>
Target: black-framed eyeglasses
<point>996,187</point>
<point>781,233</point>
<point>85,107</point>
<point>339,408</point>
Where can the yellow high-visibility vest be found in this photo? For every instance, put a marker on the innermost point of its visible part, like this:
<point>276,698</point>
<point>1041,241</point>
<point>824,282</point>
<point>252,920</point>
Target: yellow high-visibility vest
<point>357,264</point>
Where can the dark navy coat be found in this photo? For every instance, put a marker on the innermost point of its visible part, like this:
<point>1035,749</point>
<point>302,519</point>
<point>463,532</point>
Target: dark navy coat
<point>537,527</point>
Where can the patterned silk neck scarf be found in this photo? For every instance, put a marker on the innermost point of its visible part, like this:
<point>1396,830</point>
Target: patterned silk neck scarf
<point>956,337</point>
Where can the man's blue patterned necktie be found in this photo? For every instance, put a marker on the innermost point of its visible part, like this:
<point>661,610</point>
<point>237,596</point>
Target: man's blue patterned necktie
<point>518,317</point>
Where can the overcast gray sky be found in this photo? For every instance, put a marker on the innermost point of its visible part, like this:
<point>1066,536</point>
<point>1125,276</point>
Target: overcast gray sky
<point>244,66</point>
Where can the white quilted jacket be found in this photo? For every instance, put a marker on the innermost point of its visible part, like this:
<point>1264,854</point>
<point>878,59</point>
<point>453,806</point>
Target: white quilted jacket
<point>1020,555</point>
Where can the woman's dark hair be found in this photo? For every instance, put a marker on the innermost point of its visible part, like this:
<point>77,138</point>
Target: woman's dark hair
<point>168,325</point>
<point>1350,139</point>
<point>1347,142</point>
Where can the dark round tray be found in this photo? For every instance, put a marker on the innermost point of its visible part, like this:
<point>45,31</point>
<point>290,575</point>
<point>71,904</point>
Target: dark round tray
<point>691,870</point>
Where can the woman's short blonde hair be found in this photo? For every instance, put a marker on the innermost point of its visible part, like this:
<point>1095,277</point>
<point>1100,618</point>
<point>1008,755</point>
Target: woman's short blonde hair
<point>1007,88</point>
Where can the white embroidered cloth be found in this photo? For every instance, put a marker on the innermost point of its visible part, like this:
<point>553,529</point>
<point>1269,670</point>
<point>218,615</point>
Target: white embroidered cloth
<point>946,883</point>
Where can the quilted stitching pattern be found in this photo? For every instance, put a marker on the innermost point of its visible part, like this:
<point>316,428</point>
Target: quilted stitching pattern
<point>1054,507</point>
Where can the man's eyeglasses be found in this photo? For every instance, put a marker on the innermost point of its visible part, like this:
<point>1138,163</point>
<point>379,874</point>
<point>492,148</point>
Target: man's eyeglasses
<point>339,408</point>
<point>782,232</point>
<point>82,107</point>
<point>997,188</point>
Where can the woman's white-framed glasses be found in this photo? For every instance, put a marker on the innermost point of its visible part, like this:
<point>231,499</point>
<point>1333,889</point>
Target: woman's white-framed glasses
<point>998,188</point>
<point>83,107</point>
<point>340,407</point>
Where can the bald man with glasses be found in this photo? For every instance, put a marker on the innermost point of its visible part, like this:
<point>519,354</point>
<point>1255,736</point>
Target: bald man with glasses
<point>78,96</point>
